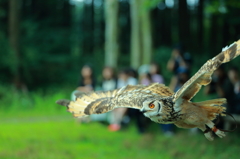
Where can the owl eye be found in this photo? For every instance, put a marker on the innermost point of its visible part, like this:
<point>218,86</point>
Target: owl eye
<point>151,105</point>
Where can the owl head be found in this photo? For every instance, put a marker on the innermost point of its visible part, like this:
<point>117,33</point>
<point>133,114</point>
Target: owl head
<point>157,107</point>
<point>151,107</point>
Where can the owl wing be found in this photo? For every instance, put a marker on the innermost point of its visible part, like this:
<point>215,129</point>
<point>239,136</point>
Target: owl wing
<point>203,76</point>
<point>103,101</point>
<point>159,89</point>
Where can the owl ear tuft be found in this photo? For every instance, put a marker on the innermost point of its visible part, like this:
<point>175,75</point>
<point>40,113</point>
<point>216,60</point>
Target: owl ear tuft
<point>63,102</point>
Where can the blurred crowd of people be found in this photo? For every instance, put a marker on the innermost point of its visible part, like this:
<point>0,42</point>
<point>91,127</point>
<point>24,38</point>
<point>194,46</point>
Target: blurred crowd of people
<point>224,85</point>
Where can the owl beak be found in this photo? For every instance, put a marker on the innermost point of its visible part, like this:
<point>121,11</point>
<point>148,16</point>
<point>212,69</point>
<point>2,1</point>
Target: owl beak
<point>143,111</point>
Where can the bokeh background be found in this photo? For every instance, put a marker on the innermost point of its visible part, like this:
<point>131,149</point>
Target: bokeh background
<point>44,45</point>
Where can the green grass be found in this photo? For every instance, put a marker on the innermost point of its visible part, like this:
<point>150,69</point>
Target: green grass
<point>63,138</point>
<point>32,126</point>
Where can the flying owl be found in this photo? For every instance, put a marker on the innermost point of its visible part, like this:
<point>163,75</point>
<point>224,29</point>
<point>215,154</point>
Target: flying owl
<point>161,104</point>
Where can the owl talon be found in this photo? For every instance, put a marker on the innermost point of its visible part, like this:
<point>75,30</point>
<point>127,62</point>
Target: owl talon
<point>209,136</point>
<point>220,133</point>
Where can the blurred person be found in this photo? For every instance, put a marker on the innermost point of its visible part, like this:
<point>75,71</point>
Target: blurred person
<point>179,60</point>
<point>219,79</point>
<point>87,82</point>
<point>122,78</point>
<point>144,79</point>
<point>218,87</point>
<point>234,104</point>
<point>144,75</point>
<point>125,77</point>
<point>109,82</point>
<point>154,71</point>
<point>232,94</point>
<point>150,74</point>
<point>226,86</point>
<point>132,76</point>
<point>181,77</point>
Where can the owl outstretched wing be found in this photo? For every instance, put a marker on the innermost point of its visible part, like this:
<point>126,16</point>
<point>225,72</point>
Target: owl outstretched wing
<point>101,102</point>
<point>159,89</point>
<point>203,76</point>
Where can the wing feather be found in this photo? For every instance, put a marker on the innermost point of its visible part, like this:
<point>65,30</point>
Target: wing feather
<point>159,89</point>
<point>203,76</point>
<point>101,102</point>
<point>104,101</point>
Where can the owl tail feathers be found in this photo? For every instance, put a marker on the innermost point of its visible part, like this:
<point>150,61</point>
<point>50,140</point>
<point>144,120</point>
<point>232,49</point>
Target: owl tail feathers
<point>213,107</point>
<point>73,107</point>
<point>63,102</point>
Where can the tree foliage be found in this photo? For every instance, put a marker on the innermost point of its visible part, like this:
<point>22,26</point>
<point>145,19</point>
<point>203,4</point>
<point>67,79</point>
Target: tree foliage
<point>57,37</point>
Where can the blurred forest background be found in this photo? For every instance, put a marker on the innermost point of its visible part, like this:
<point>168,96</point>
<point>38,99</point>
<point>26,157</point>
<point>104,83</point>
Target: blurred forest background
<point>44,43</point>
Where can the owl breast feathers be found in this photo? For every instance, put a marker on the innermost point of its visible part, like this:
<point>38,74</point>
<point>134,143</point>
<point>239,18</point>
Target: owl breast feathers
<point>159,103</point>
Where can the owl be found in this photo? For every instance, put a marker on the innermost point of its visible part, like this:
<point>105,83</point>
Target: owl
<point>161,104</point>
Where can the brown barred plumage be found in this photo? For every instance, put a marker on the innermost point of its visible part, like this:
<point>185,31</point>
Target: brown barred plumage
<point>166,107</point>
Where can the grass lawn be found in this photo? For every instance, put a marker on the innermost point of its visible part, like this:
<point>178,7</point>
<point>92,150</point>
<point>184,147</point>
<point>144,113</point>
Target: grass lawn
<point>62,137</point>
<point>32,126</point>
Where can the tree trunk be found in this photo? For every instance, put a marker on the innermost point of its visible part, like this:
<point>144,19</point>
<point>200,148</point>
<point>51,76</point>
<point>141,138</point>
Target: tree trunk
<point>135,34</point>
<point>146,35</point>
<point>213,39</point>
<point>88,28</point>
<point>111,33</point>
<point>184,25</point>
<point>14,11</point>
<point>141,36</point>
<point>200,26</point>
